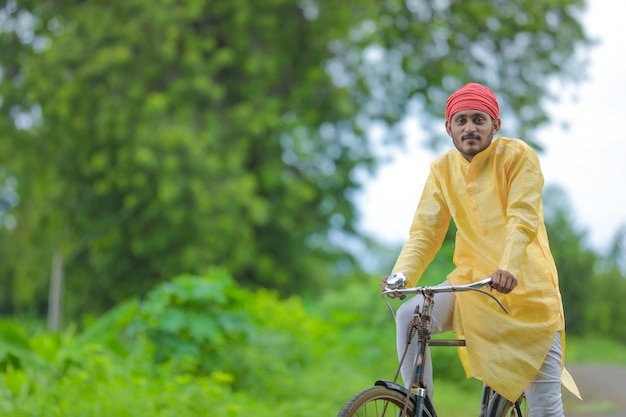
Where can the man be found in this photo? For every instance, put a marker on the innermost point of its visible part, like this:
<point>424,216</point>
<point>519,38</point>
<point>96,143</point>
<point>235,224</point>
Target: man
<point>491,189</point>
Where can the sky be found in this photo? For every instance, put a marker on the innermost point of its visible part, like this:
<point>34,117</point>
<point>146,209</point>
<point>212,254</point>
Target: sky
<point>586,159</point>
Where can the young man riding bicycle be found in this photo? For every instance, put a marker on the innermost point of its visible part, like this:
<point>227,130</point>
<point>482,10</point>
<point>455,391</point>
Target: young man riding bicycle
<point>492,190</point>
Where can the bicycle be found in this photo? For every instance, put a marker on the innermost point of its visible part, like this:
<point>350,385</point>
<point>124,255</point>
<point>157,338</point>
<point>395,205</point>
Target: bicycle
<point>389,398</point>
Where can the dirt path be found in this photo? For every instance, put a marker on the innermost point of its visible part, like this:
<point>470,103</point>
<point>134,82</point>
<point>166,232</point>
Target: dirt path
<point>603,388</point>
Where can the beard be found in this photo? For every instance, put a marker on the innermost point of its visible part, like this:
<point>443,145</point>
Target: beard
<point>470,145</point>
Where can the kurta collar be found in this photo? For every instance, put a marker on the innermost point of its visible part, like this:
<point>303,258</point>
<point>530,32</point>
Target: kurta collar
<point>485,153</point>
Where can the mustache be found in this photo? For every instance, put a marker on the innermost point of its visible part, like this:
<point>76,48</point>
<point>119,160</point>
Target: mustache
<point>470,136</point>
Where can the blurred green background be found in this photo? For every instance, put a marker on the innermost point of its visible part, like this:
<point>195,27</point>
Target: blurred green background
<point>177,224</point>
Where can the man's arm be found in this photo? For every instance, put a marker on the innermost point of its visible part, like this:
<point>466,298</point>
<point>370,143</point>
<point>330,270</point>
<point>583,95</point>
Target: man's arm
<point>524,213</point>
<point>428,230</point>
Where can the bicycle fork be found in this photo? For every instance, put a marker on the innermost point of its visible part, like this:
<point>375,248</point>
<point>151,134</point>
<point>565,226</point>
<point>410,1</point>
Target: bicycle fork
<point>420,324</point>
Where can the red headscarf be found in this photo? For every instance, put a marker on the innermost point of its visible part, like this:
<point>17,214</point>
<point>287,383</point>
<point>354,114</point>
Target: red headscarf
<point>473,96</point>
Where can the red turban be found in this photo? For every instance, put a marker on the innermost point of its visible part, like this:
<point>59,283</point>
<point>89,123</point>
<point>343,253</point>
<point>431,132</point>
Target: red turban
<point>475,97</point>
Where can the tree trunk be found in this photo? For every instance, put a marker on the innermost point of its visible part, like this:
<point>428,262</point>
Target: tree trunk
<point>56,293</point>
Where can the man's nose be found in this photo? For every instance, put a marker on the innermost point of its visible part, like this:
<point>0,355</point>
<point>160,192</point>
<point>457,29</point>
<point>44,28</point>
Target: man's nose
<point>470,127</point>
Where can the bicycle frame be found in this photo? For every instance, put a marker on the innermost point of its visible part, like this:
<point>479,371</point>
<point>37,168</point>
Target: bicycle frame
<point>420,326</point>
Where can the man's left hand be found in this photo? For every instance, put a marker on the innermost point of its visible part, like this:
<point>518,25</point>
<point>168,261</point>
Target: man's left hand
<point>503,281</point>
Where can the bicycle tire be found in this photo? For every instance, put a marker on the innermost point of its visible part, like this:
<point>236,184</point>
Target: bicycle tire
<point>501,407</point>
<point>377,401</point>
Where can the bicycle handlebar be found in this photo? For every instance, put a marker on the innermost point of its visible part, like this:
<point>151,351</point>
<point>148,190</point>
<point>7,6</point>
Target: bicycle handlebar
<point>397,287</point>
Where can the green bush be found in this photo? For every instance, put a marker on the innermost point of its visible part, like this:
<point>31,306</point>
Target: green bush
<point>208,323</point>
<point>201,345</point>
<point>196,345</point>
<point>193,320</point>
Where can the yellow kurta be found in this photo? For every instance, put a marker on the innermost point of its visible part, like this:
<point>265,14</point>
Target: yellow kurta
<point>495,201</point>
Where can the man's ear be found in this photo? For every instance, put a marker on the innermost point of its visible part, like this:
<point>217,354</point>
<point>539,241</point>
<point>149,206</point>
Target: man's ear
<point>496,125</point>
<point>448,128</point>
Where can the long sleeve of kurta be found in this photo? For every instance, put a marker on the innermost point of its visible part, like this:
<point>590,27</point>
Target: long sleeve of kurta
<point>428,230</point>
<point>495,202</point>
<point>523,208</point>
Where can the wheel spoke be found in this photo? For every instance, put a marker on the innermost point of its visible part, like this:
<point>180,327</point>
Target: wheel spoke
<point>377,402</point>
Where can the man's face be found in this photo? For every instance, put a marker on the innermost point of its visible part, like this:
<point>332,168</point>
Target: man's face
<point>472,131</point>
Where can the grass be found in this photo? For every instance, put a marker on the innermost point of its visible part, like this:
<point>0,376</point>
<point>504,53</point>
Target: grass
<point>458,398</point>
<point>595,350</point>
<point>455,396</point>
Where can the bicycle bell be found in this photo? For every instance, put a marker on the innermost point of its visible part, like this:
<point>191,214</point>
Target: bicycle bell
<point>396,280</point>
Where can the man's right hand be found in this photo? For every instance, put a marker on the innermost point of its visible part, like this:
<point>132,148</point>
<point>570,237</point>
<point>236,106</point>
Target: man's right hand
<point>383,284</point>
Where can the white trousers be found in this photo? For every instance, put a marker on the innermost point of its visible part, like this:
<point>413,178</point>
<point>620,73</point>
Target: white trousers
<point>543,394</point>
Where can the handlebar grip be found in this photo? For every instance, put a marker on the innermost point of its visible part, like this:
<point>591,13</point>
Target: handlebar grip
<point>401,296</point>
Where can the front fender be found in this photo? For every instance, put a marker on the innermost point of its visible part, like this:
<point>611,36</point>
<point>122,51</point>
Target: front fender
<point>392,385</point>
<point>429,410</point>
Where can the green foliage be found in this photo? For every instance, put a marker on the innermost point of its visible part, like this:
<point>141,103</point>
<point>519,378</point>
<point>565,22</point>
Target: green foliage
<point>194,317</point>
<point>103,384</point>
<point>419,52</point>
<point>596,349</point>
<point>605,305</point>
<point>575,264</point>
<point>195,144</point>
<point>149,138</point>
<point>593,286</point>
<point>194,321</point>
<point>296,360</point>
<point>194,344</point>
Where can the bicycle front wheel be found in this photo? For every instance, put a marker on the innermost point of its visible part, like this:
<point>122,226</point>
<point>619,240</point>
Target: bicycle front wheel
<point>378,402</point>
<point>501,407</point>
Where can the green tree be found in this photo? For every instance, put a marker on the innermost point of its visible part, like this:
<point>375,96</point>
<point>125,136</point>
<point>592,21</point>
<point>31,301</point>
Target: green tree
<point>592,285</point>
<point>575,262</point>
<point>605,308</point>
<point>151,139</point>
